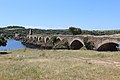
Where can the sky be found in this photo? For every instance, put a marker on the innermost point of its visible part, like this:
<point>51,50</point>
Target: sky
<point>61,14</point>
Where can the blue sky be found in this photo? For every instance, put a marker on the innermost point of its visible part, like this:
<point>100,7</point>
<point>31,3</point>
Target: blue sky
<point>61,14</point>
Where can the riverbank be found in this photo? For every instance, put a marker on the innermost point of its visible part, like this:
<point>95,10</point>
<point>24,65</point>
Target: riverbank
<point>34,64</point>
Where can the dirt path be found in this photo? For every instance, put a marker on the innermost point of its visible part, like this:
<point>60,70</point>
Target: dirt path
<point>102,62</point>
<point>38,60</point>
<point>82,59</point>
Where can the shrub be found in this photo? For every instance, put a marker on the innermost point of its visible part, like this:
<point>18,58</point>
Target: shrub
<point>89,44</point>
<point>62,44</point>
<point>3,42</point>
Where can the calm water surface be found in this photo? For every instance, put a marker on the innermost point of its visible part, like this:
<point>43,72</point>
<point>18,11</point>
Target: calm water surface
<point>12,45</point>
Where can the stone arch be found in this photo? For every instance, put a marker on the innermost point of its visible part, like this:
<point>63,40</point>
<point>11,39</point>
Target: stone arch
<point>58,39</point>
<point>108,46</point>
<point>39,38</point>
<point>28,37</point>
<point>31,38</point>
<point>76,44</point>
<point>35,38</point>
<point>47,39</point>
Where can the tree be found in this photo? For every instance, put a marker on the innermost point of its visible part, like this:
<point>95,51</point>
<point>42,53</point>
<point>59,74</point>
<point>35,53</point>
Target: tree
<point>3,42</point>
<point>75,31</point>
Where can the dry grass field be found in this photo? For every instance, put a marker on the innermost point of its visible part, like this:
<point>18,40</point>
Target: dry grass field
<point>33,64</point>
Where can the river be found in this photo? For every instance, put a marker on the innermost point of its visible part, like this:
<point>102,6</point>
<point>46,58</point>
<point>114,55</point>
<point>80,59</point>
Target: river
<point>12,45</point>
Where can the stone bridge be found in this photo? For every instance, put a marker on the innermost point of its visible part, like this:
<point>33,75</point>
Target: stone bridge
<point>101,43</point>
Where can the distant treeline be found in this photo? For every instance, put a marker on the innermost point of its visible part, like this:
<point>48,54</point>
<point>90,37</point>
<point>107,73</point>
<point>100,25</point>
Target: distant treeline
<point>101,32</point>
<point>84,32</point>
<point>15,27</point>
<point>11,30</point>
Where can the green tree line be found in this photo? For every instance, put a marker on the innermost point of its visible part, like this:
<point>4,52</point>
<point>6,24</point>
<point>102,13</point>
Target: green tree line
<point>8,32</point>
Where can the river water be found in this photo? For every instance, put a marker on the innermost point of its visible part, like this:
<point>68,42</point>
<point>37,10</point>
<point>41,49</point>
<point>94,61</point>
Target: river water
<point>12,45</point>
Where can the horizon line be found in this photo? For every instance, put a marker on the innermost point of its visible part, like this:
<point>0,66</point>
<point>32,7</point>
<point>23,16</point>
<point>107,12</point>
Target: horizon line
<point>46,28</point>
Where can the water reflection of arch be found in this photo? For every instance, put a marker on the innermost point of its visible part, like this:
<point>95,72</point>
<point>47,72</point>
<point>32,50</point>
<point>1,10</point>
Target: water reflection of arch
<point>108,46</point>
<point>76,44</point>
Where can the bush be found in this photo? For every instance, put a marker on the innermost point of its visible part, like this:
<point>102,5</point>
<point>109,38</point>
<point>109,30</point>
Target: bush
<point>62,44</point>
<point>52,41</point>
<point>89,44</point>
<point>3,42</point>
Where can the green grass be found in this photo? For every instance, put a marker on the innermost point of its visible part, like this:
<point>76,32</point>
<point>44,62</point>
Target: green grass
<point>32,64</point>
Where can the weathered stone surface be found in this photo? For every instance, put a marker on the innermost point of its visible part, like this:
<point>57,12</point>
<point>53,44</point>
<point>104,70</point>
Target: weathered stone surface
<point>77,41</point>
